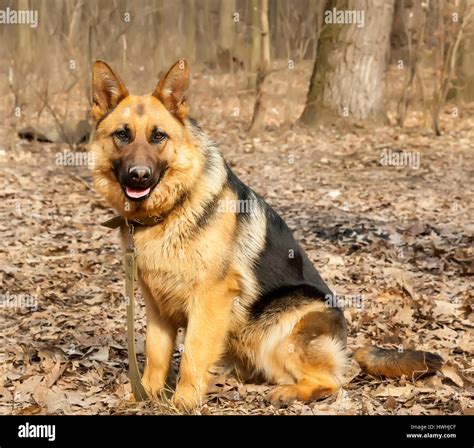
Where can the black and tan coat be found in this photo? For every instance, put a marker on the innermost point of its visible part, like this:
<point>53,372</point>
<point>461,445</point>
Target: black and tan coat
<point>221,262</point>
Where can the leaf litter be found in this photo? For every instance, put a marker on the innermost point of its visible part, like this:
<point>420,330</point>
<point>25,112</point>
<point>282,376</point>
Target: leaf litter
<point>399,238</point>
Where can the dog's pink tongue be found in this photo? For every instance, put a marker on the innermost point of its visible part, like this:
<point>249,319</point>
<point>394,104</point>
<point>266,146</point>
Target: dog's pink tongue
<point>137,192</point>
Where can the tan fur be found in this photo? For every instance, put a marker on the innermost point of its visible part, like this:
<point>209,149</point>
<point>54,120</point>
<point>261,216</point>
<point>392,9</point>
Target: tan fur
<point>157,354</point>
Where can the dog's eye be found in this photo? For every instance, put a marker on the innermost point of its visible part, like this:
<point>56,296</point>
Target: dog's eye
<point>122,134</point>
<point>158,136</point>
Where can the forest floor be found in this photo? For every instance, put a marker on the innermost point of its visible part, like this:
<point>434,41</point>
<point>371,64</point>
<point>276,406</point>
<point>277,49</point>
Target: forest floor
<point>397,241</point>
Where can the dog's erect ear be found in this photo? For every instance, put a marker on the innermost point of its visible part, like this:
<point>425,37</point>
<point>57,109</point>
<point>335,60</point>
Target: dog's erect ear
<point>107,90</point>
<point>172,90</point>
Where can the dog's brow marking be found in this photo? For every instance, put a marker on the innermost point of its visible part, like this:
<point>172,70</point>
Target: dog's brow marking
<point>140,109</point>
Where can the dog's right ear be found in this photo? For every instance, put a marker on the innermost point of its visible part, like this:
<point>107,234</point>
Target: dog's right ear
<point>107,90</point>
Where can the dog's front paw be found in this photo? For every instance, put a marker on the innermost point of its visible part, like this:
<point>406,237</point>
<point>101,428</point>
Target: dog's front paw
<point>154,390</point>
<point>186,398</point>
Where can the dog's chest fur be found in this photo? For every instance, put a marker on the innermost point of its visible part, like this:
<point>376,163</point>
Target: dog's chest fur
<point>175,266</point>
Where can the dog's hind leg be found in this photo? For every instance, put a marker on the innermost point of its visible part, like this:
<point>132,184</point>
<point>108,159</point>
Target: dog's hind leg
<point>312,355</point>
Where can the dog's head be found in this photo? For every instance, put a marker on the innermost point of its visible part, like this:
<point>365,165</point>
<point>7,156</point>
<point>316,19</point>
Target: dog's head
<point>144,155</point>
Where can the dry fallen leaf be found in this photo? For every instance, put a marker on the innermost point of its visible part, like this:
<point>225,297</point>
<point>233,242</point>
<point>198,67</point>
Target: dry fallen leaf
<point>445,309</point>
<point>390,403</point>
<point>452,372</point>
<point>404,316</point>
<point>53,399</point>
<point>400,391</point>
<point>28,386</point>
<point>101,355</point>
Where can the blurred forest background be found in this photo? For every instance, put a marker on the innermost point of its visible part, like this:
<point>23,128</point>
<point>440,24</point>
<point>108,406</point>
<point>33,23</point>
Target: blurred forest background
<point>360,134</point>
<point>269,62</point>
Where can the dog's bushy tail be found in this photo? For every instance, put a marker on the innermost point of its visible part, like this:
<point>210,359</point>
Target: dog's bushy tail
<point>393,363</point>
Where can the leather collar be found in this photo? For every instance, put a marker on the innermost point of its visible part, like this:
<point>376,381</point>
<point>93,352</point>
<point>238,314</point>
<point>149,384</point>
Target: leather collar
<point>119,221</point>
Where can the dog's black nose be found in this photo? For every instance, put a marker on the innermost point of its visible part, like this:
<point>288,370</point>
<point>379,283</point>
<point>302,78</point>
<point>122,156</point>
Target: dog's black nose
<point>139,174</point>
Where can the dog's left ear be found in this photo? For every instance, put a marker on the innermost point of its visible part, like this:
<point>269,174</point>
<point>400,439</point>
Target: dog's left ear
<point>172,90</point>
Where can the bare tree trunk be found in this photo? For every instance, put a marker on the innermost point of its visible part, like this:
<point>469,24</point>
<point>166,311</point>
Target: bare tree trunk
<point>449,66</point>
<point>426,111</point>
<point>258,112</point>
<point>256,41</point>
<point>226,35</point>
<point>24,48</point>
<point>414,52</point>
<point>466,70</point>
<point>463,84</point>
<point>348,75</point>
<point>265,29</point>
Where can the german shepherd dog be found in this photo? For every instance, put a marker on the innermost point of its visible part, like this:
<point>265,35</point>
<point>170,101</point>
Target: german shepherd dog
<point>233,276</point>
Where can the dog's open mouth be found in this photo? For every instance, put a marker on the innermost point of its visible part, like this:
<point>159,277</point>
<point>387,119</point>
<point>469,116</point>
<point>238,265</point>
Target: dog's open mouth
<point>137,193</point>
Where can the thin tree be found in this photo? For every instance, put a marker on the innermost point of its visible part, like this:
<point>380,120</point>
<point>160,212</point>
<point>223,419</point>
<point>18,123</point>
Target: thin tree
<point>416,33</point>
<point>258,111</point>
<point>256,41</point>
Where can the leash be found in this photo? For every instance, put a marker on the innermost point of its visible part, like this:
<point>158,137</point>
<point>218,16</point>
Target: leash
<point>131,276</point>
